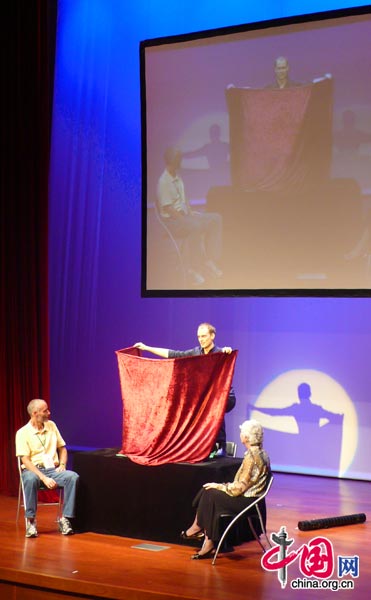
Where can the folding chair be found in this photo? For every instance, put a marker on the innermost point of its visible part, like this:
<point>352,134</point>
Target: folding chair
<point>231,449</point>
<point>42,488</point>
<point>177,244</point>
<point>251,511</point>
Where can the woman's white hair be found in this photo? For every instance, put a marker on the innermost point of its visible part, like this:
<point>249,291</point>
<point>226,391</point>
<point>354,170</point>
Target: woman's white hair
<point>253,431</point>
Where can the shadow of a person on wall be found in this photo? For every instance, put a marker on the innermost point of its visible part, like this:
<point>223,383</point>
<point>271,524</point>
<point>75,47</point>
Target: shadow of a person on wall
<point>304,411</point>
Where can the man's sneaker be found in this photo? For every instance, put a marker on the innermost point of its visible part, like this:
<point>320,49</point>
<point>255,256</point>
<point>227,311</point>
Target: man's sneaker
<point>65,526</point>
<point>214,269</point>
<point>195,278</point>
<point>31,530</point>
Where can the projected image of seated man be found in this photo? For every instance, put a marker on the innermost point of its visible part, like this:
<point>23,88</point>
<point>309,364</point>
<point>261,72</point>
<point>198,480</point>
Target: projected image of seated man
<point>200,231</point>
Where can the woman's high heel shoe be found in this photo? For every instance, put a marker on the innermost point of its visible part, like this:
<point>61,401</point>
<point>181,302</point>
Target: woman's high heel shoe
<point>199,556</point>
<point>194,536</point>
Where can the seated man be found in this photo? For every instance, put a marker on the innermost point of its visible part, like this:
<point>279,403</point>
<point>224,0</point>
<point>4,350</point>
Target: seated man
<point>43,455</point>
<point>206,336</point>
<point>201,230</point>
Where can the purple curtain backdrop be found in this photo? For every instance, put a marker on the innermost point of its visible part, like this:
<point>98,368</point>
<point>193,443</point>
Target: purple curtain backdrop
<point>95,246</point>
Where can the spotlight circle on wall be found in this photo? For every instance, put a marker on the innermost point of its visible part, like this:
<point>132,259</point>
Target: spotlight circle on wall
<point>317,389</point>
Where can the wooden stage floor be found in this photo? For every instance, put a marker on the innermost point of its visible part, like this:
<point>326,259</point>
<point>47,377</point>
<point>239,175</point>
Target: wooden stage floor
<point>91,565</point>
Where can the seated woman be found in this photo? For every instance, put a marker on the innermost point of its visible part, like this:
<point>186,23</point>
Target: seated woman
<point>215,498</point>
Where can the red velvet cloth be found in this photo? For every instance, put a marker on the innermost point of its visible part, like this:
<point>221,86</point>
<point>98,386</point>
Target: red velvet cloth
<point>280,140</point>
<point>172,408</point>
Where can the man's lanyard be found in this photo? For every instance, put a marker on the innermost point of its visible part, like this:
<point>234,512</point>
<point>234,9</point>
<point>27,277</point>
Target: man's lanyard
<point>41,441</point>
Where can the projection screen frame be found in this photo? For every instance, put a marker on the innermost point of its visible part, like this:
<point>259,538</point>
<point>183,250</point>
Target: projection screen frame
<point>215,288</point>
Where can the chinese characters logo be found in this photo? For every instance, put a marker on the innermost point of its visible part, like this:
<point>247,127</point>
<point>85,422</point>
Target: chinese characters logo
<point>316,561</point>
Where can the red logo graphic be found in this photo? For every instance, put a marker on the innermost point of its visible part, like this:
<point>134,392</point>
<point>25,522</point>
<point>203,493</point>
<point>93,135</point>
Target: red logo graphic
<point>316,559</point>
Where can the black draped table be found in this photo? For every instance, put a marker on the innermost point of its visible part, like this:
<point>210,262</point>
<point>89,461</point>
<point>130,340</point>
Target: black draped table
<point>119,497</point>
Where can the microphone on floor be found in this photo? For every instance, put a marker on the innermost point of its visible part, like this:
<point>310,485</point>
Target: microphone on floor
<point>331,522</point>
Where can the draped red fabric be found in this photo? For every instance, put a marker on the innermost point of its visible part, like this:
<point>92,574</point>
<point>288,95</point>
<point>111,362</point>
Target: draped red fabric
<point>28,56</point>
<point>172,408</point>
<point>280,139</point>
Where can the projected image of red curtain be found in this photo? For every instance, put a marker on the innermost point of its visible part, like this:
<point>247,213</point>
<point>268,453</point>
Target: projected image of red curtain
<point>172,408</point>
<point>280,140</point>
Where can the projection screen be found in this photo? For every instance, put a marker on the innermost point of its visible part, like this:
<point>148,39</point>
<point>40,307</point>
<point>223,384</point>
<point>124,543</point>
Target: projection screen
<point>256,156</point>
